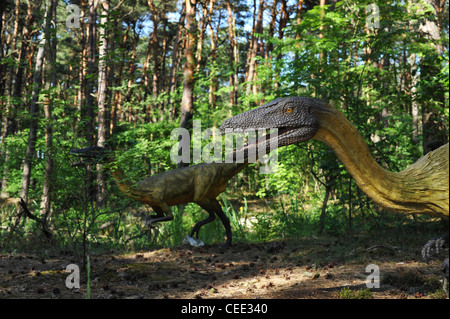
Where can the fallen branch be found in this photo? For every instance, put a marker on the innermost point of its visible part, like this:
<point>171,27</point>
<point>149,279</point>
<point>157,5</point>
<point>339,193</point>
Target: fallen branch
<point>42,221</point>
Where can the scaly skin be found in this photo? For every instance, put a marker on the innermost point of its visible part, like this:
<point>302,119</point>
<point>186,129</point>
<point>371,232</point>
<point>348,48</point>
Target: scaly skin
<point>421,188</point>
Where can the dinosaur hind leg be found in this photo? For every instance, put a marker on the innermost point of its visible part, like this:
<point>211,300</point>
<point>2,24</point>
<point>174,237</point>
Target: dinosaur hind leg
<point>436,246</point>
<point>163,214</point>
<point>226,224</point>
<point>212,206</point>
<point>201,223</point>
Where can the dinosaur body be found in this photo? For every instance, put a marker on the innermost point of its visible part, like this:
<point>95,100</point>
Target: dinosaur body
<point>421,188</point>
<point>200,184</point>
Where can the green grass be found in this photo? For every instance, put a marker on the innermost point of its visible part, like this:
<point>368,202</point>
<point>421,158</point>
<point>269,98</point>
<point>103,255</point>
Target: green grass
<point>347,293</point>
<point>82,229</point>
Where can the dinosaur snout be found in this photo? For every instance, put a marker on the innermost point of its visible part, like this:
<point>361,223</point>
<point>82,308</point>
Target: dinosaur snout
<point>226,126</point>
<point>242,122</point>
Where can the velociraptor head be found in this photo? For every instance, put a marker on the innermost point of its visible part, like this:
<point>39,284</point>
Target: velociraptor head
<point>92,153</point>
<point>293,117</point>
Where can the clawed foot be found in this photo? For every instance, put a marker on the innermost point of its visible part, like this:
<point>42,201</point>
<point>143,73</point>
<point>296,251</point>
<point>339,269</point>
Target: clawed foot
<point>153,220</point>
<point>194,234</point>
<point>435,245</point>
<point>226,244</point>
<point>150,222</point>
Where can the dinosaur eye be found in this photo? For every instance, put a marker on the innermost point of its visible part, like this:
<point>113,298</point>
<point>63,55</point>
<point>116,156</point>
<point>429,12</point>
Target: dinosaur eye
<point>289,110</point>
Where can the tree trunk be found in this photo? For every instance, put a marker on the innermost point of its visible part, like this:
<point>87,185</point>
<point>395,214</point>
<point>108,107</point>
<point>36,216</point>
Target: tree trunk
<point>90,80</point>
<point>102,54</point>
<point>131,71</point>
<point>162,77</point>
<point>233,57</point>
<point>251,79</point>
<point>82,70</point>
<point>10,123</point>
<point>175,61</point>
<point>153,54</point>
<point>48,175</point>
<point>298,36</point>
<point>32,136</point>
<point>267,51</point>
<point>322,53</point>
<point>271,31</point>
<point>51,81</point>
<point>435,133</point>
<point>201,34</point>
<point>213,75</point>
<point>117,99</point>
<point>9,118</point>
<point>411,80</point>
<point>284,18</point>
<point>189,67</point>
<point>31,145</point>
<point>3,71</point>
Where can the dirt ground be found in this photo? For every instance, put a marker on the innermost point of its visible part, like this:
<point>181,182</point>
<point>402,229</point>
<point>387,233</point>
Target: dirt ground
<point>301,268</point>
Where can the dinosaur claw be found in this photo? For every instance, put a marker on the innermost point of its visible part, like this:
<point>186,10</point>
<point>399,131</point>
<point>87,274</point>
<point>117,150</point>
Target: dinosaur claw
<point>436,244</point>
<point>227,243</point>
<point>149,224</point>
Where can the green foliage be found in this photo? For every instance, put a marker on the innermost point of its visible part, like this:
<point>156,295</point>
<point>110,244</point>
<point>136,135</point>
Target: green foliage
<point>347,293</point>
<point>330,54</point>
<point>238,220</point>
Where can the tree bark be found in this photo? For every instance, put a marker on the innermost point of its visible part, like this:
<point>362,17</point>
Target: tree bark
<point>435,133</point>
<point>131,71</point>
<point>102,111</point>
<point>82,71</point>
<point>189,67</point>
<point>117,99</point>
<point>284,18</point>
<point>254,48</point>
<point>213,75</point>
<point>10,123</point>
<point>233,79</point>
<point>175,61</point>
<point>31,145</point>
<point>152,55</point>
<point>90,81</point>
<point>201,34</point>
<point>50,82</point>
<point>89,78</point>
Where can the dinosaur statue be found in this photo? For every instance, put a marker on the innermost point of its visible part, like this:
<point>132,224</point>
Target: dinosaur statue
<point>421,188</point>
<point>200,184</point>
<point>436,246</point>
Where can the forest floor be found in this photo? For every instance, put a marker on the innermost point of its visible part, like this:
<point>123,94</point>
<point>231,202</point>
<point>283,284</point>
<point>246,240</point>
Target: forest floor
<point>308,267</point>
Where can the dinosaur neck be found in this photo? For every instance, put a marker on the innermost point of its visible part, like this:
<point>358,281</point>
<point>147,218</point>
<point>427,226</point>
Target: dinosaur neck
<point>399,192</point>
<point>119,177</point>
<point>234,168</point>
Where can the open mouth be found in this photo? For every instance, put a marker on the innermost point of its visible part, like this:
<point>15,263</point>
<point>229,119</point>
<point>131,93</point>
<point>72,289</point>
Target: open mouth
<point>276,137</point>
<point>270,140</point>
<point>266,141</point>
